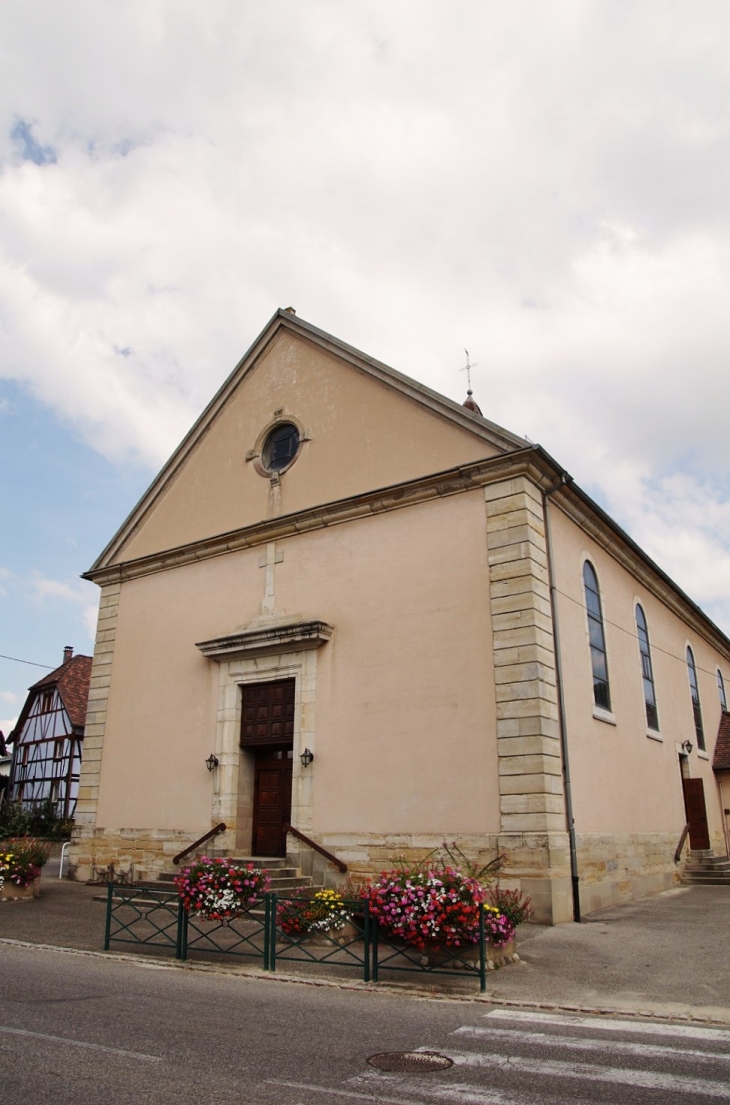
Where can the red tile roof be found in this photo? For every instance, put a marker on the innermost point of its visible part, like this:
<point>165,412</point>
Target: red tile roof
<point>72,680</point>
<point>721,762</point>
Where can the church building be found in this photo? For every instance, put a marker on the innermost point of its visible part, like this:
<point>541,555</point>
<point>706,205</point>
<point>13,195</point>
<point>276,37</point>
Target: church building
<point>354,608</point>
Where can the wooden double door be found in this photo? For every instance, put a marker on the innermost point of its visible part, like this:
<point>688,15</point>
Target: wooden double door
<point>267,731</point>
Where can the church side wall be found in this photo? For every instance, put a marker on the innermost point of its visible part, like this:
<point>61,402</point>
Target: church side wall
<point>627,789</point>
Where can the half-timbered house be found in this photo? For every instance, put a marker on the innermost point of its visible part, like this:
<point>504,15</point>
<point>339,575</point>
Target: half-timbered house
<point>49,737</point>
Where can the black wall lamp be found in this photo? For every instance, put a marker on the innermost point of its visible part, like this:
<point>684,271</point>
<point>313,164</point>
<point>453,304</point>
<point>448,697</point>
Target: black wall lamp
<point>212,761</point>
<point>306,757</point>
<point>687,746</point>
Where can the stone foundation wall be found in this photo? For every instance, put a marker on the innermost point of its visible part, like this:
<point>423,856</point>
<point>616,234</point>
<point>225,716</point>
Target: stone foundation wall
<point>368,854</point>
<point>147,851</point>
<point>537,863</point>
<point>613,868</point>
<point>621,868</point>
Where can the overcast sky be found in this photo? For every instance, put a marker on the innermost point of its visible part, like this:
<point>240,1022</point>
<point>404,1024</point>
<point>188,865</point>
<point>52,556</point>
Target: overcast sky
<point>546,184</point>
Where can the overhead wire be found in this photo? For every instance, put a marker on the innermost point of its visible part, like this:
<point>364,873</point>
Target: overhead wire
<point>630,633</point>
<point>32,663</point>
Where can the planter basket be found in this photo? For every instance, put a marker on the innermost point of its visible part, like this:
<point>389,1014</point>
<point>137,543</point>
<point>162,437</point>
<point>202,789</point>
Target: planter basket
<point>11,892</point>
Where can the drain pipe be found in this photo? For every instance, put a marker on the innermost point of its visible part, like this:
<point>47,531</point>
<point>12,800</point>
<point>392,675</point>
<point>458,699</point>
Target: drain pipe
<point>574,877</point>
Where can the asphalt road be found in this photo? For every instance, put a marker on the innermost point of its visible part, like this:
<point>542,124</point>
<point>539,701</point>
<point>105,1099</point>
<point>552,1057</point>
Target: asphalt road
<point>80,1030</point>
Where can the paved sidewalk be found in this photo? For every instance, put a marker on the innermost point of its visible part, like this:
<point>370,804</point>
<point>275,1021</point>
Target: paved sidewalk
<point>668,955</point>
<point>671,952</point>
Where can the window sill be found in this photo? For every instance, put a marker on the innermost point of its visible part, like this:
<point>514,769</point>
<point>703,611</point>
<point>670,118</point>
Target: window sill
<point>702,755</point>
<point>654,735</point>
<point>604,715</point>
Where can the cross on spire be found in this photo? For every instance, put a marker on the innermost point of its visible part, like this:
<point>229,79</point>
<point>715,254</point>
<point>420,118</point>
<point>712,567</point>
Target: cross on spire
<point>469,402</point>
<point>467,369</point>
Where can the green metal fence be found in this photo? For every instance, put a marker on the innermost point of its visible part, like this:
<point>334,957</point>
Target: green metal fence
<point>348,946</point>
<point>153,918</point>
<point>268,934</point>
<point>246,935</point>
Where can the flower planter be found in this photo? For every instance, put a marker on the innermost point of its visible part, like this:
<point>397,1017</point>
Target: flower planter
<point>221,886</point>
<point>341,937</point>
<point>469,954</point>
<point>13,893</point>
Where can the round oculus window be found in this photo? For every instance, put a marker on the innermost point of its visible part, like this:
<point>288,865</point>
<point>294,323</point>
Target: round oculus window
<point>280,447</point>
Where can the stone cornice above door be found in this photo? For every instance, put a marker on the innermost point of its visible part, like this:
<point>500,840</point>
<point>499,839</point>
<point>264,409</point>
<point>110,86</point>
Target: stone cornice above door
<point>267,640</point>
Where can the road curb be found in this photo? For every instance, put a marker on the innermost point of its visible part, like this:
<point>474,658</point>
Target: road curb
<point>645,1013</point>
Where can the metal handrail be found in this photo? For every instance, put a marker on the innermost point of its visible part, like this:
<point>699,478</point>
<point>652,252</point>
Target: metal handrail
<point>221,828</point>
<point>339,864</point>
<point>66,844</point>
<point>680,846</point>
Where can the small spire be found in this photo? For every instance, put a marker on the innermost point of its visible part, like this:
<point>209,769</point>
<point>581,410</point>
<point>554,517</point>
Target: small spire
<point>470,403</point>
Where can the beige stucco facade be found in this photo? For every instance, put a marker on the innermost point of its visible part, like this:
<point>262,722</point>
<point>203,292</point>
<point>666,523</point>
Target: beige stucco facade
<point>399,571</point>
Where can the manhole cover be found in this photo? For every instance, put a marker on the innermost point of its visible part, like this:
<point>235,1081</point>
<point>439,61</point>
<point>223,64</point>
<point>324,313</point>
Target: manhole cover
<point>410,1062</point>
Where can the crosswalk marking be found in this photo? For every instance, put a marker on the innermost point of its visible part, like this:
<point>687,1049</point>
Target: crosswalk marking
<point>581,1043</point>
<point>689,1031</point>
<point>457,1092</point>
<point>592,1072</point>
<point>507,1061</point>
<point>460,1092</point>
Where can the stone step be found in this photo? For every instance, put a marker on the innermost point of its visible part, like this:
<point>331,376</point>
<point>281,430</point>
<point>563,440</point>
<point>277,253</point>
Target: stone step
<point>298,882</point>
<point>279,872</point>
<point>258,861</point>
<point>706,880</point>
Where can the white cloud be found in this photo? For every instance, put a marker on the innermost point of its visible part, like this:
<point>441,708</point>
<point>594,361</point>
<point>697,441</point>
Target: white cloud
<point>90,614</point>
<point>56,588</point>
<point>548,185</point>
<point>8,696</point>
<point>81,594</point>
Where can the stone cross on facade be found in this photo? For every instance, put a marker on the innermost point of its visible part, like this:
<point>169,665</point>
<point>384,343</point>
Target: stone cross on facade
<point>269,560</point>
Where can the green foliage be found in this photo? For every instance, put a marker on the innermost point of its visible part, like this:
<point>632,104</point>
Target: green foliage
<point>27,850</point>
<point>40,820</point>
<point>511,903</point>
<point>44,821</point>
<point>21,860</point>
<point>14,820</point>
<point>483,873</point>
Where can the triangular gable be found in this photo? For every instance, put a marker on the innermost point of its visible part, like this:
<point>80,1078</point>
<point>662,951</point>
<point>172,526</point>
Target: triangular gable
<point>71,682</point>
<point>300,367</point>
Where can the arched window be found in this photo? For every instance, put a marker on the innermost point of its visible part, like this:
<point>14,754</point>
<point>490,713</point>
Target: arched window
<point>721,690</point>
<point>695,692</point>
<point>601,694</point>
<point>652,717</point>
